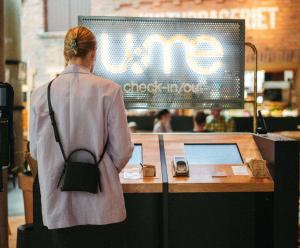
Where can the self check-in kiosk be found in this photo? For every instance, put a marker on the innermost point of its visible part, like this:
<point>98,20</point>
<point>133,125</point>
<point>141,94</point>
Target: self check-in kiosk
<point>220,203</point>
<point>216,203</point>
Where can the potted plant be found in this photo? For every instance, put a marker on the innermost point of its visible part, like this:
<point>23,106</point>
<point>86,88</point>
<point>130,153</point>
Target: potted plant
<point>26,179</point>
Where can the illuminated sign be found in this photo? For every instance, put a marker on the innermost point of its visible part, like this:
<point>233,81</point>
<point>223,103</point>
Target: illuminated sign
<point>172,63</point>
<point>192,48</point>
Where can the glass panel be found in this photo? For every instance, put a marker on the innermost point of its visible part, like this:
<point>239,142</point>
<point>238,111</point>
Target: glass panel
<point>212,154</point>
<point>137,155</point>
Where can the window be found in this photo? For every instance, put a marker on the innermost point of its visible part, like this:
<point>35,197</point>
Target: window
<point>60,15</point>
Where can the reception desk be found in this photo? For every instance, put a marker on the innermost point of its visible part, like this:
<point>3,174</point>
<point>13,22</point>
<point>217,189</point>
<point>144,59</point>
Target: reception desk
<point>216,205</point>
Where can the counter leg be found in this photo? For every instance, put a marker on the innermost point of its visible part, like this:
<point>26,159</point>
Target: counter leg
<point>165,193</point>
<point>4,213</point>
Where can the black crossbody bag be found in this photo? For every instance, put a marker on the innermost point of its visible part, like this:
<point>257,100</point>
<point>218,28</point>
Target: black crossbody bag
<point>76,176</point>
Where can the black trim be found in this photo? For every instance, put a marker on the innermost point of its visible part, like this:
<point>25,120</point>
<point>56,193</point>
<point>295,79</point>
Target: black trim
<point>13,61</point>
<point>165,19</point>
<point>165,192</point>
<point>18,108</point>
<point>163,161</point>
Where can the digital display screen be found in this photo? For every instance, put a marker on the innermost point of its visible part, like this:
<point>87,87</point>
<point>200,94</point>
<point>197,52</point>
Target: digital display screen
<point>172,63</point>
<point>212,154</point>
<point>137,155</point>
<point>3,96</point>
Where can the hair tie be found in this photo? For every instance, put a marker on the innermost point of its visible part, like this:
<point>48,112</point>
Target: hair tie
<point>74,46</point>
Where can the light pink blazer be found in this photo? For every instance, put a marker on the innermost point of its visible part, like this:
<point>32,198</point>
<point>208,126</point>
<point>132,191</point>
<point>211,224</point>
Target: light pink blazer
<point>88,109</point>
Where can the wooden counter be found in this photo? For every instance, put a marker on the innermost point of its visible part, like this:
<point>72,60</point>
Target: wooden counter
<point>151,155</point>
<point>290,134</point>
<point>200,179</point>
<point>211,210</point>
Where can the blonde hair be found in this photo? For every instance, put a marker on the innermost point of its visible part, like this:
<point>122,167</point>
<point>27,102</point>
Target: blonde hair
<point>78,42</point>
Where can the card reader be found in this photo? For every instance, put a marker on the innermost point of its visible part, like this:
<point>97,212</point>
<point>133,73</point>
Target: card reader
<point>181,167</point>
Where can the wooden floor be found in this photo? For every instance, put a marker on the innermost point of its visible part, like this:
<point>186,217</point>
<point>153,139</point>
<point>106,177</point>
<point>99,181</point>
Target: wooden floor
<point>14,222</point>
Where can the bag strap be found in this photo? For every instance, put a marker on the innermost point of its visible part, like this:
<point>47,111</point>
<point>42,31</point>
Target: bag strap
<point>53,122</point>
<point>82,150</point>
<point>56,132</point>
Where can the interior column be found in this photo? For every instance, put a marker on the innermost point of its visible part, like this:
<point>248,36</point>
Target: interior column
<point>3,195</point>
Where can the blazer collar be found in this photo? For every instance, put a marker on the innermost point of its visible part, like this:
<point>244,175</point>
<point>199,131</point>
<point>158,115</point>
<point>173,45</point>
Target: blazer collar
<point>75,69</point>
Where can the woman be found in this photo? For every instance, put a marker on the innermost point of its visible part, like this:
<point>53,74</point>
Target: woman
<point>162,123</point>
<point>89,110</point>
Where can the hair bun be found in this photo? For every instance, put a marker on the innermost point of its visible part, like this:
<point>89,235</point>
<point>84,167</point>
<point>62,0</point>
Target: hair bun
<point>74,46</point>
<point>79,41</point>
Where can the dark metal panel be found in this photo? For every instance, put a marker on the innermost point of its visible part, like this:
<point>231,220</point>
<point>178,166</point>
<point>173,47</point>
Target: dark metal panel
<point>144,220</point>
<point>264,205</point>
<point>172,63</point>
<point>41,233</point>
<point>286,196</point>
<point>211,220</point>
<point>282,155</point>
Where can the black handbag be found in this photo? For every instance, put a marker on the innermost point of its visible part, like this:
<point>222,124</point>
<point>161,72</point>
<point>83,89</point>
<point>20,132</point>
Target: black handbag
<point>76,176</point>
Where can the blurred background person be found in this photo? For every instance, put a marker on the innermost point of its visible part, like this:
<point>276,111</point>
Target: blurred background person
<point>162,123</point>
<point>216,122</point>
<point>132,127</point>
<point>199,121</point>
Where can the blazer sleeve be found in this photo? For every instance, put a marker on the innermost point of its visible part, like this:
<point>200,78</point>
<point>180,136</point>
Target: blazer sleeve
<point>32,132</point>
<point>120,147</point>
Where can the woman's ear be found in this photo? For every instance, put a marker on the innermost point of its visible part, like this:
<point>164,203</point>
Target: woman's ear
<point>93,54</point>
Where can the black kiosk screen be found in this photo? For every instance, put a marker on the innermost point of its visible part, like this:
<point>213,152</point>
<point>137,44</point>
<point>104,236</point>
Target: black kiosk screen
<point>212,154</point>
<point>137,155</point>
